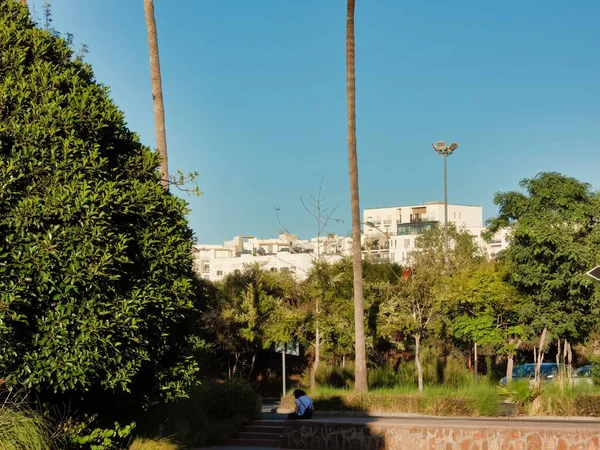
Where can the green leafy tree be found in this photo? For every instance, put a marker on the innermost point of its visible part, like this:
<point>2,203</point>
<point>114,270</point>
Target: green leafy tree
<point>96,283</point>
<point>554,241</point>
<point>334,282</point>
<point>415,306</point>
<point>315,288</point>
<point>590,350</point>
<point>483,308</point>
<point>252,311</point>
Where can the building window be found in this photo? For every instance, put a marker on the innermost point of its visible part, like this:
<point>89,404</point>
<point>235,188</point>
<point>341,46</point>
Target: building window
<point>406,243</point>
<point>459,215</point>
<point>219,273</point>
<point>455,215</point>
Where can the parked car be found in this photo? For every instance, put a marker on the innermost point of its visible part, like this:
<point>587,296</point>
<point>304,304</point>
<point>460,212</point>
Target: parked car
<point>583,375</point>
<point>527,372</point>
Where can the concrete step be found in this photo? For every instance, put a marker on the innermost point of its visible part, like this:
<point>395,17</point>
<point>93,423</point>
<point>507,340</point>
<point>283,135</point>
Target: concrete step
<point>269,423</point>
<point>253,442</point>
<point>263,429</point>
<point>253,435</point>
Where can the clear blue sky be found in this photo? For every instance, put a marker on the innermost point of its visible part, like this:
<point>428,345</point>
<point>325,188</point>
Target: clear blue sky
<point>256,102</point>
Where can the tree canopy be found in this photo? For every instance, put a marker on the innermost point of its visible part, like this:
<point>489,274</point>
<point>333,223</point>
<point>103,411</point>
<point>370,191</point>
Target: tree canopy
<point>554,240</point>
<point>97,290</point>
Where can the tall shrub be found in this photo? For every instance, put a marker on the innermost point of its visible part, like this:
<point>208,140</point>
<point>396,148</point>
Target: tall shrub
<point>96,297</point>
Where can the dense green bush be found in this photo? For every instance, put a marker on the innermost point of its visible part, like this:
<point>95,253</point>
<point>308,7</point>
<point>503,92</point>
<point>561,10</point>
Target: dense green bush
<point>331,376</point>
<point>95,257</point>
<point>450,371</point>
<point>587,405</point>
<point>455,372</point>
<point>382,378</point>
<point>596,371</point>
<point>225,400</point>
<point>212,413</point>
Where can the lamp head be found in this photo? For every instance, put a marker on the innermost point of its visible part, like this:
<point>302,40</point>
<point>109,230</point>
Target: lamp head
<point>440,147</point>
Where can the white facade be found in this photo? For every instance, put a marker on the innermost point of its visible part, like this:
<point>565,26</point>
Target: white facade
<point>298,264</point>
<point>499,242</point>
<point>284,253</point>
<point>390,233</point>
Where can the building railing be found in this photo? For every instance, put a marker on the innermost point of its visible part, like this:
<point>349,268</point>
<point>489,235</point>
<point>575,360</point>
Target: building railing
<point>418,227</point>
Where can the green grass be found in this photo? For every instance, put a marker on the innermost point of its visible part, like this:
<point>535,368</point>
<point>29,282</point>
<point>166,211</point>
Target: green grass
<point>564,400</point>
<point>553,399</point>
<point>154,444</point>
<point>481,400</point>
<point>22,429</point>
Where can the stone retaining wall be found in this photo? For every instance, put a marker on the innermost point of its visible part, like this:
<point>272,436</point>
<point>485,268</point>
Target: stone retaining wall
<point>343,436</point>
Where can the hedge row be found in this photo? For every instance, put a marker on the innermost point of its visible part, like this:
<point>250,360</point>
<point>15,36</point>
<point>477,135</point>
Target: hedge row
<point>582,404</point>
<point>214,412</point>
<point>401,403</point>
<point>587,405</point>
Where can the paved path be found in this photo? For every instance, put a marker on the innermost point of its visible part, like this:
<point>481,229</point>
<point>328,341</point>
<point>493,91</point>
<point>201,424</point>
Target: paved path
<point>239,448</point>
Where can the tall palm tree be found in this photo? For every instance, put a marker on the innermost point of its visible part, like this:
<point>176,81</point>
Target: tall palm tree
<point>157,95</point>
<point>360,377</point>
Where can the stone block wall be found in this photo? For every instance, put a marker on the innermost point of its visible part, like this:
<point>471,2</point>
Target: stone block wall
<point>343,436</point>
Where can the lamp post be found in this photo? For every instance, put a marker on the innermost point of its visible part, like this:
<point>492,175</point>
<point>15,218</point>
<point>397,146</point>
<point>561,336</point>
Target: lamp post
<point>441,148</point>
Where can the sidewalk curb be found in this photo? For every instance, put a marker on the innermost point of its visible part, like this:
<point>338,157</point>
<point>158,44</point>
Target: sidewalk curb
<point>325,414</point>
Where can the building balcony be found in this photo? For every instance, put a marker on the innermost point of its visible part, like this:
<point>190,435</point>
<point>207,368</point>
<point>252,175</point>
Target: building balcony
<point>377,255</point>
<point>416,226</point>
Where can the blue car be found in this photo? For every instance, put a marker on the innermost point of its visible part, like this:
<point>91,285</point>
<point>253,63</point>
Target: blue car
<point>527,372</point>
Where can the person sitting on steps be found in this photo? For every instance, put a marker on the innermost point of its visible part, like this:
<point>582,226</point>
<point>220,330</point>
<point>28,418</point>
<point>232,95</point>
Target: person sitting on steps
<point>304,406</point>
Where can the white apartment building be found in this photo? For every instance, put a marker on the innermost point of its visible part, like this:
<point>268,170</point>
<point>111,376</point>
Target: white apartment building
<point>284,253</point>
<point>298,264</point>
<point>390,233</point>
<point>499,242</point>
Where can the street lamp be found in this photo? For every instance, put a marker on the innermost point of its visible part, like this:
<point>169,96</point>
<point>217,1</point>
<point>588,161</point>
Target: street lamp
<point>441,149</point>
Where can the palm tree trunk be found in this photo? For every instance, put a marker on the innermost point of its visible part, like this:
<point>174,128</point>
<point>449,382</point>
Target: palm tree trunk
<point>157,95</point>
<point>360,377</point>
